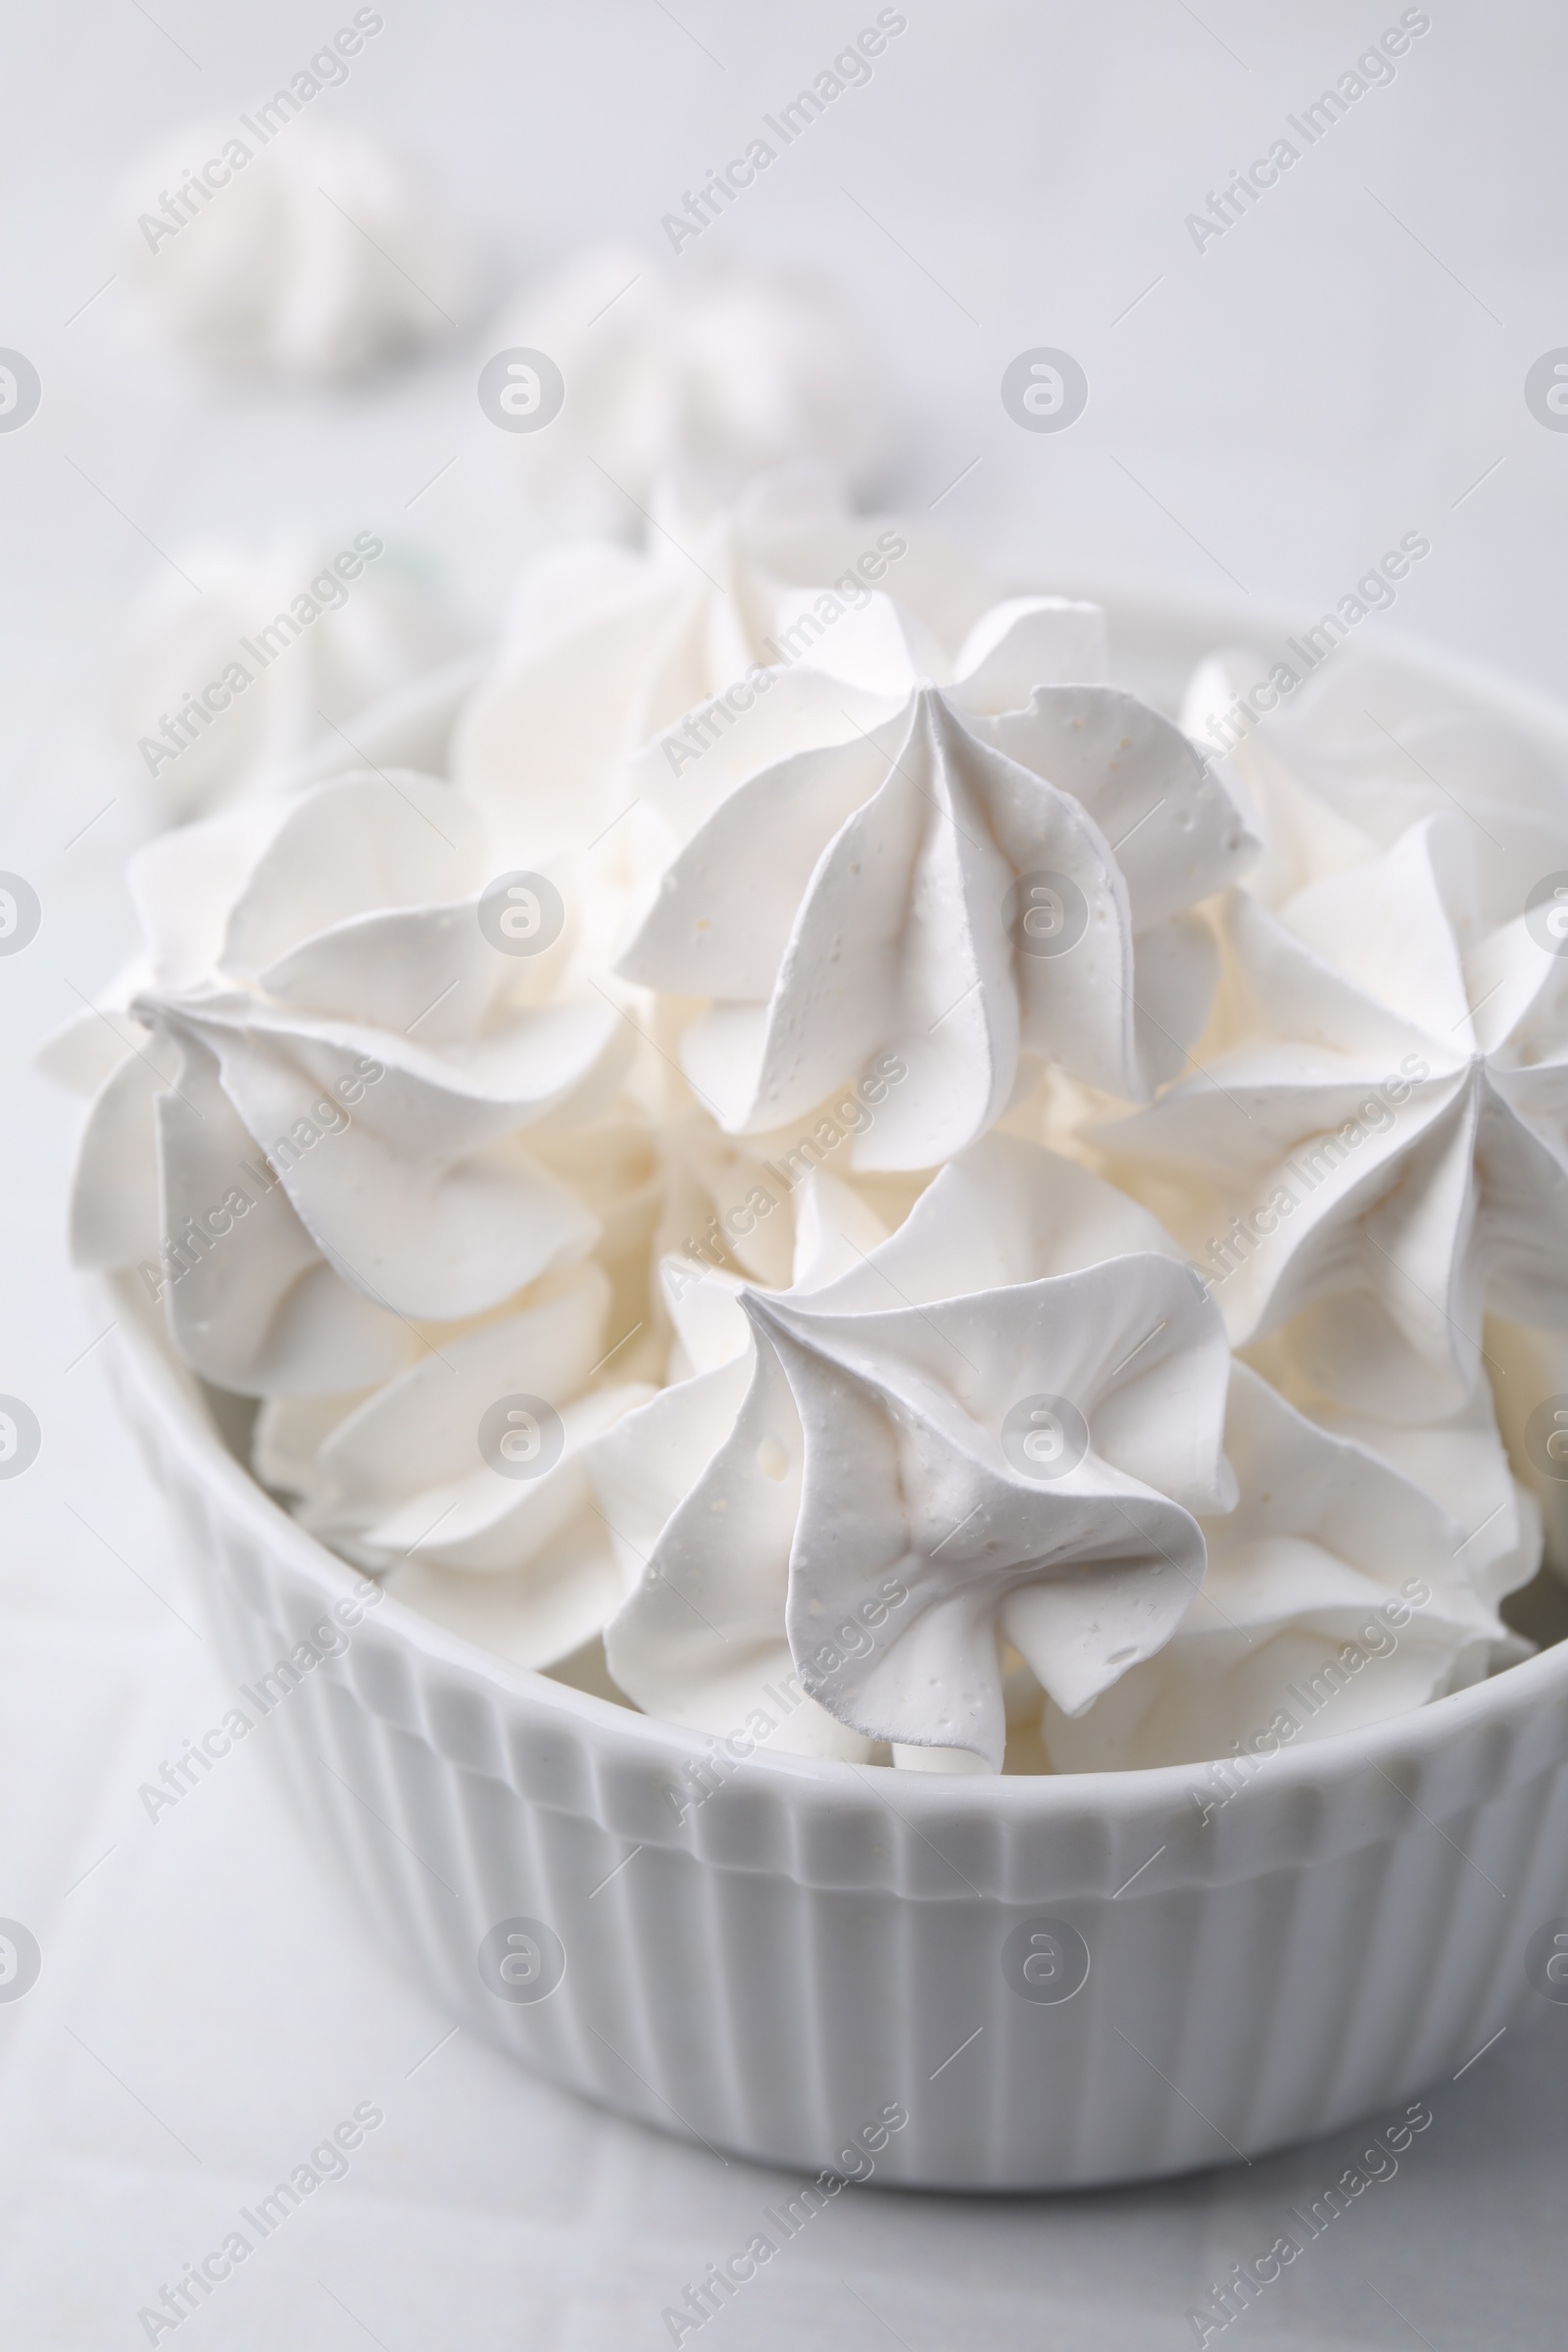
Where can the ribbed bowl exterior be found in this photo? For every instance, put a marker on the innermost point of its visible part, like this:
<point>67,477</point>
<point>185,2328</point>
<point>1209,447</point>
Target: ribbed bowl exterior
<point>815,1944</point>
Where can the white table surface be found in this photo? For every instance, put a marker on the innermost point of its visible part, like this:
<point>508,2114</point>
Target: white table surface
<point>1338,369</point>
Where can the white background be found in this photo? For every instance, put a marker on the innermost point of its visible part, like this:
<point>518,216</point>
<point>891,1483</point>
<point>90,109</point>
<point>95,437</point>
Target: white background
<point>1341,367</point>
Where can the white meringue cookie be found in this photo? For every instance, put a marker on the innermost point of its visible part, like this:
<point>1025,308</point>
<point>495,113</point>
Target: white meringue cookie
<point>1376,1141</point>
<point>750,1204</point>
<point>1461,1464</point>
<point>904,1416</point>
<point>604,647</point>
<point>865,899</point>
<point>870,889</point>
<point>369,637</point>
<point>1352,757</point>
<point>405,1484</point>
<point>339,1148</point>
<point>862,1472</point>
<point>831,1228</point>
<point>1342,1590</point>
<point>710,375</point>
<point>317,258</point>
<point>645,1470</point>
<point>839,674</point>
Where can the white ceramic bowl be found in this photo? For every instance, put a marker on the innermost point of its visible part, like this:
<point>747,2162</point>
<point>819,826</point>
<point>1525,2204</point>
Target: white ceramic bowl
<point>818,1943</point>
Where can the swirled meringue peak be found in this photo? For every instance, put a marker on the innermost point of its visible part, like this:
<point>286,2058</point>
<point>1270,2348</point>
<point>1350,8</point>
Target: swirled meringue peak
<point>1013,1446</point>
<point>848,1182</point>
<point>1359,1575</point>
<point>990,876</point>
<point>607,649</point>
<point>1375,1146</point>
<point>310,258</point>
<point>1349,760</point>
<point>330,1060</point>
<point>462,1482</point>
<point>281,648</point>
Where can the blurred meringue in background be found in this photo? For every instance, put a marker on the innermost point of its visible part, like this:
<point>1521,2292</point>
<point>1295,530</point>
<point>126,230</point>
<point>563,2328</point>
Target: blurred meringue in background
<point>709,375</point>
<point>216,694</point>
<point>312,257</point>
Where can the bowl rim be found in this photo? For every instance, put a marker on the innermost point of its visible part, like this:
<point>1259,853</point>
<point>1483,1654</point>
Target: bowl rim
<point>1414,1738</point>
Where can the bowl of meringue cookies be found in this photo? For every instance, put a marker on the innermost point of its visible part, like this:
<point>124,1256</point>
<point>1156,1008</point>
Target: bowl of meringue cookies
<point>852,1287</point>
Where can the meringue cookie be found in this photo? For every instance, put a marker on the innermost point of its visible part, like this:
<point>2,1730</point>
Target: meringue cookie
<point>1376,1141</point>
<point>1355,756</point>
<point>905,1415</point>
<point>339,1154</point>
<point>855,1485</point>
<point>875,896</point>
<point>1346,1587</point>
<point>831,1225</point>
<point>318,260</point>
<point>335,645</point>
<point>602,647</point>
<point>405,1484</point>
<point>645,1471</point>
<point>709,374</point>
<point>697,1297</point>
<point>1461,1463</point>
